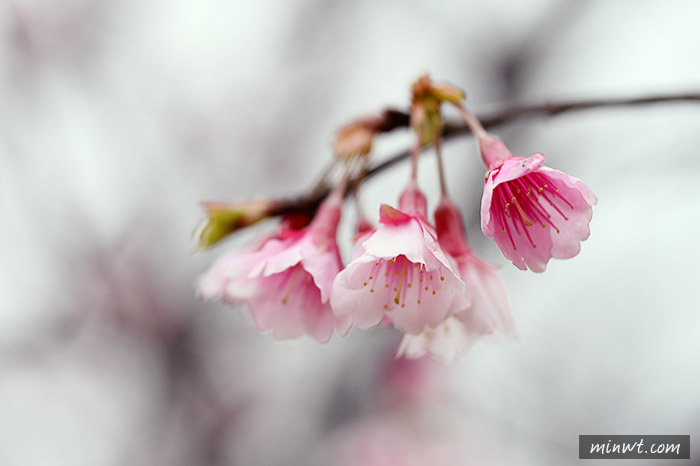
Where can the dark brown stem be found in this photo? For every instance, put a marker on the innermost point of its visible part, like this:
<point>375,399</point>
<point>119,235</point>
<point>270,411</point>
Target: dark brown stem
<point>391,119</point>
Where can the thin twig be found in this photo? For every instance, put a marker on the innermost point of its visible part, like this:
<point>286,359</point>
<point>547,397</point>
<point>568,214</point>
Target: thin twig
<point>394,119</point>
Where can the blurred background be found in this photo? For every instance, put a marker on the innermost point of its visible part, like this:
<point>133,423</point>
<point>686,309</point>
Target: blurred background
<point>118,117</point>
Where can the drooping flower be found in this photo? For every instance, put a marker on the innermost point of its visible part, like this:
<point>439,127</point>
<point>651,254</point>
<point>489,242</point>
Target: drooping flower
<point>482,310</point>
<point>286,279</point>
<point>398,271</point>
<point>532,212</point>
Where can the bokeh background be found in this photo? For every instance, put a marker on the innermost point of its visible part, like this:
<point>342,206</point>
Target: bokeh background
<point>118,117</point>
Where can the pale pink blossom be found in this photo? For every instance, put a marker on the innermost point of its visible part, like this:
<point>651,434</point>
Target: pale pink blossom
<point>482,310</point>
<point>532,212</point>
<point>445,342</point>
<point>286,279</point>
<point>398,272</point>
<point>413,422</point>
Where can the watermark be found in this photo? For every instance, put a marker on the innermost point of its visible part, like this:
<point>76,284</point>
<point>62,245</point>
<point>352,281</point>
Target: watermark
<point>634,447</point>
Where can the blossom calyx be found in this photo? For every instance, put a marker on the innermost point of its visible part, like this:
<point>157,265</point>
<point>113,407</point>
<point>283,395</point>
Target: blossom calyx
<point>425,107</point>
<point>226,218</point>
<point>355,138</point>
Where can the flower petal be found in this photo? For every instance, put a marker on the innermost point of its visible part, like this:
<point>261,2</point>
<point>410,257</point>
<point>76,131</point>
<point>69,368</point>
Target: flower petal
<point>445,342</point>
<point>567,244</point>
<point>351,297</point>
<point>489,313</point>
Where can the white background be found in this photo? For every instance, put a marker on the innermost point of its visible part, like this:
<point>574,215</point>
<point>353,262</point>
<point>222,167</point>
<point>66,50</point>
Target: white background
<point>118,117</point>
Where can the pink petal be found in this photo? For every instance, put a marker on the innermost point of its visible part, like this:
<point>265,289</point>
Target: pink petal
<point>489,313</point>
<point>445,342</point>
<point>352,298</point>
<point>213,283</point>
<point>292,307</point>
<point>322,263</point>
<point>567,243</point>
<point>512,168</point>
<point>397,239</point>
<point>533,251</point>
<point>391,216</point>
<point>411,295</point>
<point>420,308</point>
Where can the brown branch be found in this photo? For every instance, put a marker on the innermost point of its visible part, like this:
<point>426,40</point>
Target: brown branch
<point>394,119</point>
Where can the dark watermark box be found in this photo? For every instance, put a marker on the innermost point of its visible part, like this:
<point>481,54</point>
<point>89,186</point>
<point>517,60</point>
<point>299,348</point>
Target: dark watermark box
<point>634,447</point>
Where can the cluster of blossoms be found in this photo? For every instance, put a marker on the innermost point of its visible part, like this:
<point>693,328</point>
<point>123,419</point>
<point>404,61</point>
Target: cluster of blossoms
<point>410,272</point>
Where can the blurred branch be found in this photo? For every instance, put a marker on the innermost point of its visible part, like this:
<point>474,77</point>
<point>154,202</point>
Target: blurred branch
<point>391,119</point>
<point>544,109</point>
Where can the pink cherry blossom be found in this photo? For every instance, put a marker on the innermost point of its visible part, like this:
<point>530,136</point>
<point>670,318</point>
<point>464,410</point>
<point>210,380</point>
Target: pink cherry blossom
<point>398,272</point>
<point>286,280</point>
<point>482,310</point>
<point>532,212</point>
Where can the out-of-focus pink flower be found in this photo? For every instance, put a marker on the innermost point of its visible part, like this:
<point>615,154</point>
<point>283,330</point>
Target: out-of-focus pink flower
<point>286,279</point>
<point>398,271</point>
<point>445,342</point>
<point>482,310</point>
<point>532,212</point>
<point>413,422</point>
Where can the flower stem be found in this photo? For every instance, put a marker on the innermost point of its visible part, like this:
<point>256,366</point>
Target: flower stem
<point>441,168</point>
<point>341,187</point>
<point>322,182</point>
<point>472,122</point>
<point>356,182</point>
<point>415,152</point>
<point>395,119</point>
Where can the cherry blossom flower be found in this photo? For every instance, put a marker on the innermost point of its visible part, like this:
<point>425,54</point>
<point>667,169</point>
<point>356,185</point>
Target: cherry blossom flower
<point>531,211</point>
<point>286,279</point>
<point>398,271</point>
<point>482,310</point>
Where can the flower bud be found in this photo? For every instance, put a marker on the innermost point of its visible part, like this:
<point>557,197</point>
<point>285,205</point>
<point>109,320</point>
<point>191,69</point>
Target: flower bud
<point>354,139</point>
<point>225,218</point>
<point>425,110</point>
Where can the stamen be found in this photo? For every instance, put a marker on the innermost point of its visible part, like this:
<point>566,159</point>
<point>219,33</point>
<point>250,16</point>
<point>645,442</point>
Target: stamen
<point>551,203</point>
<point>552,188</point>
<point>401,278</point>
<point>294,276</point>
<point>373,275</point>
<point>541,210</point>
<point>501,215</point>
<point>514,200</point>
